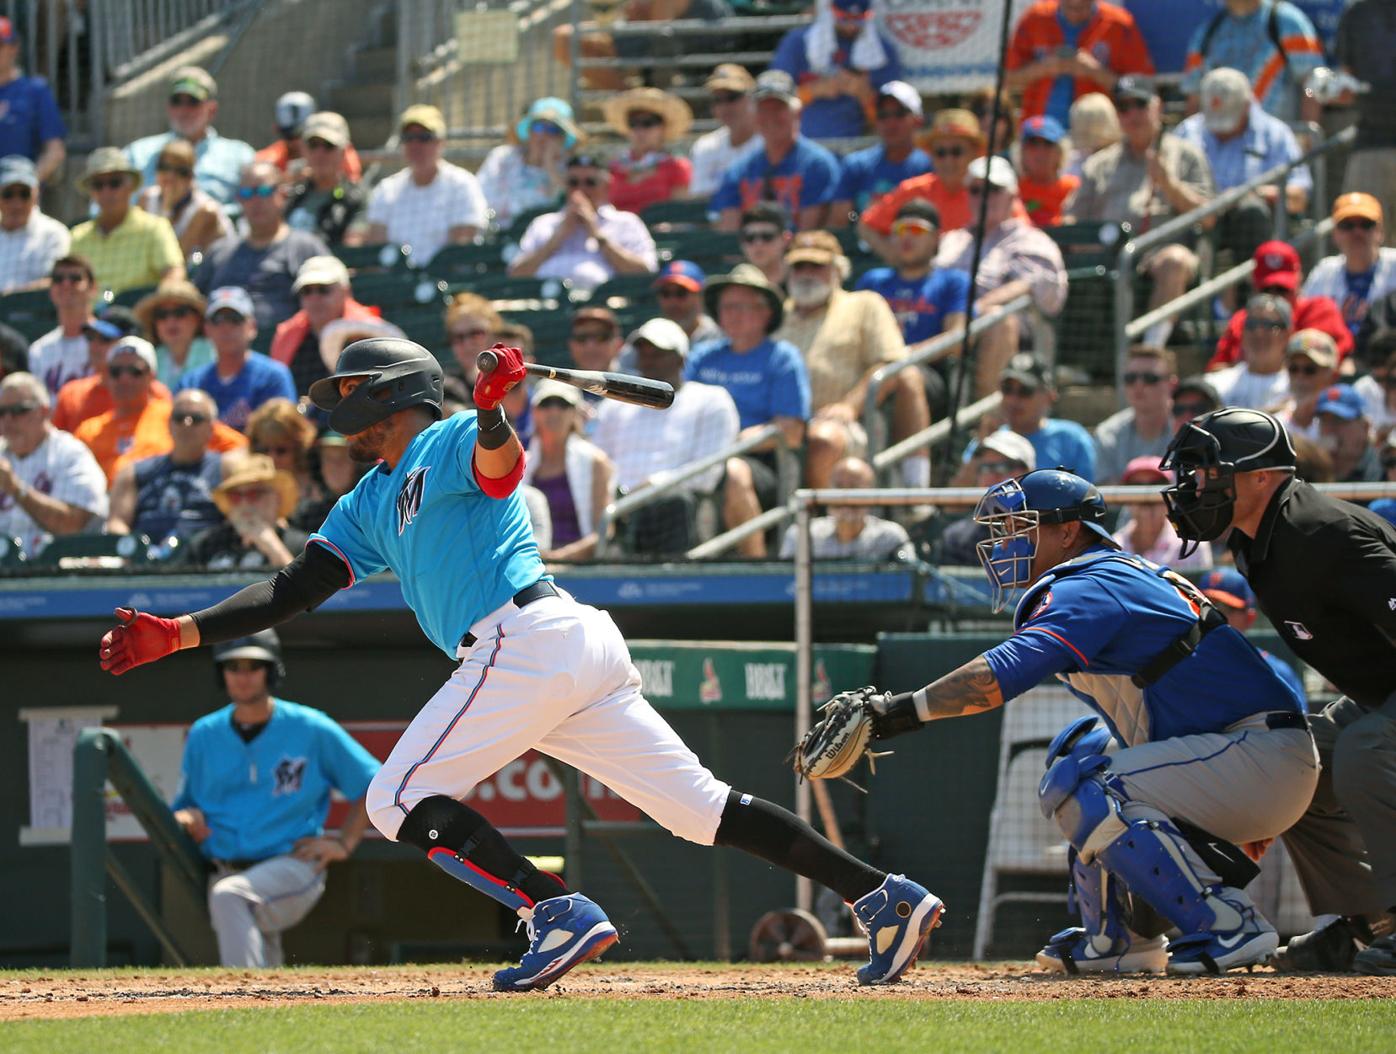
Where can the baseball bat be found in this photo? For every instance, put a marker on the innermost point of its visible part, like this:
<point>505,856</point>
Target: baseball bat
<point>657,395</point>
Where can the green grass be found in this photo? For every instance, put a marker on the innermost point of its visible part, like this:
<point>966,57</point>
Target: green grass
<point>843,1026</point>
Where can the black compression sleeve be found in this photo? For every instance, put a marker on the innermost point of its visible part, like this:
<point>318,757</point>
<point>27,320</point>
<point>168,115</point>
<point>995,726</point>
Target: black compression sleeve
<point>306,582</point>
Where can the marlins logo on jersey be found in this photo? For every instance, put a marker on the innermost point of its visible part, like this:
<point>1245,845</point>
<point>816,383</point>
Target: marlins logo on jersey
<point>409,499</point>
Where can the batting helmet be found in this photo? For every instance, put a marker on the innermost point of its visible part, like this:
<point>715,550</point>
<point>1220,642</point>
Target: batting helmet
<point>1014,509</point>
<point>263,647</point>
<point>397,374</point>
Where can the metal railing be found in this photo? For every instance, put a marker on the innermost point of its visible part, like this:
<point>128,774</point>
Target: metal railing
<point>1131,252</point>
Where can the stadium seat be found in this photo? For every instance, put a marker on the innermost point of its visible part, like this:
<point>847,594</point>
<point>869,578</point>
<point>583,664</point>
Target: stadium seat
<point>395,289</point>
<point>624,287</point>
<point>11,553</point>
<point>691,212</point>
<point>30,312</point>
<point>132,297</point>
<point>360,258</point>
<point>461,263</point>
<point>106,552</point>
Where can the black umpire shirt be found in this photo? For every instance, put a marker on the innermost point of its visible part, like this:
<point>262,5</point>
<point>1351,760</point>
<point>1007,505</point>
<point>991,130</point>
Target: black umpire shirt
<point>1324,573</point>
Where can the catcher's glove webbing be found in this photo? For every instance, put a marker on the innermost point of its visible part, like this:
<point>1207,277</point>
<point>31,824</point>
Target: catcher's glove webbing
<point>840,738</point>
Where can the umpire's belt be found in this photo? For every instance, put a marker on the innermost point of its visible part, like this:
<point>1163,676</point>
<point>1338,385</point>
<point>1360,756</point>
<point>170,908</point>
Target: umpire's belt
<point>524,597</point>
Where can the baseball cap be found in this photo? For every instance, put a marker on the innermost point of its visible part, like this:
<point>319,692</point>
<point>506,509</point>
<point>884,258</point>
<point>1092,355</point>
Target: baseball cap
<point>113,322</point>
<point>428,117</point>
<point>326,125</point>
<point>684,273</point>
<point>1357,206</point>
<point>1341,400</point>
<point>133,345</point>
<point>1314,344</point>
<point>1276,264</point>
<point>1271,302</point>
<point>195,81</point>
<point>920,209</point>
<point>904,93</point>
<point>663,334</point>
<point>230,298</point>
<point>1198,384</point>
<point>1147,469</point>
<point>1385,508</point>
<point>549,389</point>
<point>292,110</point>
<point>1137,89</point>
<point>1012,446</point>
<point>730,77</point>
<point>777,84</point>
<point>1228,586</point>
<point>321,270</point>
<point>8,33</point>
<point>816,247</point>
<point>16,168</point>
<point>1225,99</point>
<point>1026,368</point>
<point>604,315</point>
<point>1044,127</point>
<point>996,171</point>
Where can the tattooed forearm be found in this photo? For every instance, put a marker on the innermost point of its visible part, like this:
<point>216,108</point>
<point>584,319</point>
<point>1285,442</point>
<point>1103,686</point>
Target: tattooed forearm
<point>971,689</point>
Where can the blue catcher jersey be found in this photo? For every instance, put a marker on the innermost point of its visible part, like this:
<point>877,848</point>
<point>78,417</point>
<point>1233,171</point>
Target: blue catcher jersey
<point>1097,620</point>
<point>260,797</point>
<point>458,553</point>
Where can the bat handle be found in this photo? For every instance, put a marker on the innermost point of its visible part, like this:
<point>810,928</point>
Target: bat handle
<point>486,362</point>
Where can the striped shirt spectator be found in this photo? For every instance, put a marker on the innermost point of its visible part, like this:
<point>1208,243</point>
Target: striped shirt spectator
<point>1273,43</point>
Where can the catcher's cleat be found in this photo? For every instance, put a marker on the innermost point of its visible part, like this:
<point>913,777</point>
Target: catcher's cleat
<point>1250,944</point>
<point>1378,958</point>
<point>1072,952</point>
<point>563,932</point>
<point>898,915</point>
<point>1328,949</point>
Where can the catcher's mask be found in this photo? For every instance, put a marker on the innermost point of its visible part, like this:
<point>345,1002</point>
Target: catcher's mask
<point>1013,511</point>
<point>1205,456</point>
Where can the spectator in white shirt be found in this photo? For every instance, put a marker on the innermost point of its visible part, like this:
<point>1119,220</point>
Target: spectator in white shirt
<point>1259,380</point>
<point>713,154</point>
<point>1363,272</point>
<point>588,240</point>
<point>528,172</point>
<point>430,203</point>
<point>50,484</point>
<point>850,532</point>
<point>1311,360</point>
<point>649,448</point>
<point>62,355</point>
<point>30,242</point>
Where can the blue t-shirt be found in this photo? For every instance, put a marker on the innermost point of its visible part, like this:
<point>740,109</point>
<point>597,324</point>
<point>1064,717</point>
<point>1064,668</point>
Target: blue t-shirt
<point>807,175</point>
<point>1063,92</point>
<point>1358,291</point>
<point>29,117</point>
<point>841,117</point>
<point>768,381</point>
<point>260,797</point>
<point>458,553</point>
<point>1099,619</point>
<point>920,304</point>
<point>866,175</point>
<point>217,161</point>
<point>259,380</point>
<point>1058,444</point>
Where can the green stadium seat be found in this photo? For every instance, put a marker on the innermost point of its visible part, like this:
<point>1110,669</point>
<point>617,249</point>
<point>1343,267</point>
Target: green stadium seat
<point>461,263</point>
<point>498,285</point>
<point>692,212</point>
<point>1089,244</point>
<point>516,229</point>
<point>93,551</point>
<point>625,287</point>
<point>31,312</point>
<point>394,289</point>
<point>371,257</point>
<point>132,297</point>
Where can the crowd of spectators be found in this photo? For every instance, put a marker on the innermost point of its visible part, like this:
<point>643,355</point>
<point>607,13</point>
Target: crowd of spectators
<point>204,290</point>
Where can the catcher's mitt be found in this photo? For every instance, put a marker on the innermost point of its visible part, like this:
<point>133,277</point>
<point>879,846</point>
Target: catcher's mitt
<point>840,738</point>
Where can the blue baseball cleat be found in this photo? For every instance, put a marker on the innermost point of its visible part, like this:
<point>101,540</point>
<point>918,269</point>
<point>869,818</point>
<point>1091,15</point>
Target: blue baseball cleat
<point>1249,944</point>
<point>898,915</point>
<point>1073,952</point>
<point>564,932</point>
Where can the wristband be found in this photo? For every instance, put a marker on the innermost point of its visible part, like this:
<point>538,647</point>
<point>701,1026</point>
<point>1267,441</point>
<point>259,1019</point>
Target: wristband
<point>494,428</point>
<point>895,714</point>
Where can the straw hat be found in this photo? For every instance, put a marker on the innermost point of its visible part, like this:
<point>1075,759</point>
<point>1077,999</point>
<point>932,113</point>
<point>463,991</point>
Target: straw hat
<point>955,124</point>
<point>678,118</point>
<point>106,161</point>
<point>170,291</point>
<point>253,469</point>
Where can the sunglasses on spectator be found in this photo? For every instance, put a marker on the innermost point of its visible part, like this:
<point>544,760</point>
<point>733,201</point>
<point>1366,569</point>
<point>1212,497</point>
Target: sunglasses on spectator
<point>1129,105</point>
<point>759,234</point>
<point>183,100</point>
<point>127,371</point>
<point>583,181</point>
<point>189,419</point>
<point>1016,391</point>
<point>546,127</point>
<point>722,98</point>
<point>16,409</point>
<point>1195,409</point>
<point>1274,325</point>
<point>460,336</point>
<point>997,466</point>
<point>226,318</point>
<point>976,189</point>
<point>21,192</point>
<point>162,314</point>
<point>182,171</point>
<point>902,227</point>
<point>1144,377</point>
<point>242,494</point>
<point>417,137</point>
<point>644,120</point>
<point>591,337</point>
<point>107,183</point>
<point>266,190</point>
<point>1357,225</point>
<point>1308,369</point>
<point>319,144</point>
<point>317,290</point>
<point>68,278</point>
<point>674,292</point>
<point>892,113</point>
<point>948,151</point>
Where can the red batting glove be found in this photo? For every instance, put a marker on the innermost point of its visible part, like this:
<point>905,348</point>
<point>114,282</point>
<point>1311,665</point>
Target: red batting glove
<point>491,388</point>
<point>137,639</point>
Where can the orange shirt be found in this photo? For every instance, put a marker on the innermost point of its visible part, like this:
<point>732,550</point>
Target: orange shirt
<point>1044,201</point>
<point>953,208</point>
<point>1111,36</point>
<point>117,441</point>
<point>279,156</point>
<point>88,397</point>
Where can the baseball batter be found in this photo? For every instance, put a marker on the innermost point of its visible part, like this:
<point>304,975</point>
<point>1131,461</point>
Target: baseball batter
<point>537,669</point>
<point>1202,744</point>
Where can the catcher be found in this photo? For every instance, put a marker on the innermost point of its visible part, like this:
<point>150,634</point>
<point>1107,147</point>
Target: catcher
<point>1199,746</point>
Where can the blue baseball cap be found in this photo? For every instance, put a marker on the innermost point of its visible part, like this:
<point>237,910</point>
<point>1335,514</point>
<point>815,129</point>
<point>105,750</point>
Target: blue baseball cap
<point>685,273</point>
<point>550,110</point>
<point>1385,508</point>
<point>1226,585</point>
<point>1341,400</point>
<point>1043,127</point>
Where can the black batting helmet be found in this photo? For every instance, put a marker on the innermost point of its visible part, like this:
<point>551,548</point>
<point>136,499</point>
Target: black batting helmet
<point>397,374</point>
<point>264,646</point>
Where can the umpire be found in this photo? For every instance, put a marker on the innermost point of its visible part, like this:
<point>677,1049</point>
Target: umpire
<point>1324,573</point>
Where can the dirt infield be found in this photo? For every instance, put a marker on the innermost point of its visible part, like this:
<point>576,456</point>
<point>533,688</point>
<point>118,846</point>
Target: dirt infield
<point>63,995</point>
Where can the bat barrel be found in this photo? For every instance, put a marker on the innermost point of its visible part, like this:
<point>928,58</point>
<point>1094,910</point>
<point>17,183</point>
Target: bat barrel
<point>486,362</point>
